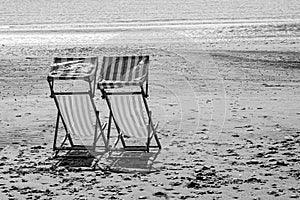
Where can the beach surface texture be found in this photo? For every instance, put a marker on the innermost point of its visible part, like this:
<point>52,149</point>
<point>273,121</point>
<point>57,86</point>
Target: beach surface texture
<point>224,86</point>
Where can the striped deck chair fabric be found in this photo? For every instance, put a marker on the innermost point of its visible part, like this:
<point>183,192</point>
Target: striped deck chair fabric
<point>74,68</point>
<point>122,71</point>
<point>77,111</point>
<point>132,118</point>
<point>80,119</point>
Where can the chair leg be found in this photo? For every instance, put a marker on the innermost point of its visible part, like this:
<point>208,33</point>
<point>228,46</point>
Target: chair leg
<point>70,139</point>
<point>148,144</point>
<point>64,141</point>
<point>117,141</point>
<point>56,132</point>
<point>157,141</point>
<point>122,140</point>
<point>109,126</point>
<point>120,137</point>
<point>95,133</point>
<point>103,136</point>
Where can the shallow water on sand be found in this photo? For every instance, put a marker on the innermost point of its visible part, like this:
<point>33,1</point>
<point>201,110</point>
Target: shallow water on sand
<point>24,22</point>
<point>30,12</point>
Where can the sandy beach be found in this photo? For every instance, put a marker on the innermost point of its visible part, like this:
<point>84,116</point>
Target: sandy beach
<point>224,86</point>
<point>229,125</point>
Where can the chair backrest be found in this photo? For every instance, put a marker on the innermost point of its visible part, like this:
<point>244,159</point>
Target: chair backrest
<point>57,60</point>
<point>124,68</point>
<point>130,114</point>
<point>61,61</point>
<point>78,113</point>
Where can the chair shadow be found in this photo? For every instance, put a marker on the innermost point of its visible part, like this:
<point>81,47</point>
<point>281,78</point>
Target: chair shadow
<point>116,160</point>
<point>82,160</point>
<point>121,161</point>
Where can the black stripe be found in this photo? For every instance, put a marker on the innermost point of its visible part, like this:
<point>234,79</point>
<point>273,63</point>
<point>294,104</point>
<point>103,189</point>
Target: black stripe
<point>108,68</point>
<point>116,68</point>
<point>132,64</point>
<point>124,67</point>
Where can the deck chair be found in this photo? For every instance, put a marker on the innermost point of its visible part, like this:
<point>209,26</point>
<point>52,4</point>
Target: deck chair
<point>76,110</point>
<point>124,85</point>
